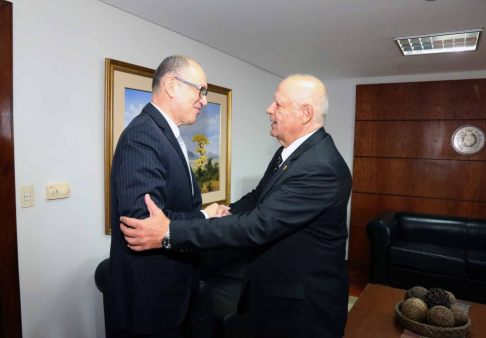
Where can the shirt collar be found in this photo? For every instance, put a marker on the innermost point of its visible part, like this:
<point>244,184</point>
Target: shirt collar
<point>291,148</point>
<point>172,125</point>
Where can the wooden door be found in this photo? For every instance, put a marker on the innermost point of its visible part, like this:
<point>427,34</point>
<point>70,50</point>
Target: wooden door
<point>10,322</point>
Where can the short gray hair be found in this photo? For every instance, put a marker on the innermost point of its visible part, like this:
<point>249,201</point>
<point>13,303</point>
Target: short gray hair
<point>321,102</point>
<point>171,65</point>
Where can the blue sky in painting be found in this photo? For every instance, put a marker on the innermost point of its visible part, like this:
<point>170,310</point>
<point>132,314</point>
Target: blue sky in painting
<point>208,123</point>
<point>135,100</point>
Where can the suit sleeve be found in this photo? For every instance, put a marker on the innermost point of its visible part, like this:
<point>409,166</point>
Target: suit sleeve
<point>140,170</point>
<point>298,201</point>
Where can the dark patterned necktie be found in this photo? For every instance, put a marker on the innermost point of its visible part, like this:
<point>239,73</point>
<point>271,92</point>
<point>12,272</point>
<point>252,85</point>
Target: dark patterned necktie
<point>279,162</point>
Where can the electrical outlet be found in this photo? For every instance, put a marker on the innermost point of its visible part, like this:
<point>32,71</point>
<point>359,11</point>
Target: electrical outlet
<point>57,191</point>
<point>27,196</point>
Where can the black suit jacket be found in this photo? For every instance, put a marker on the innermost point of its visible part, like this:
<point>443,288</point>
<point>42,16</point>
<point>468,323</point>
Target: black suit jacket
<point>297,282</point>
<point>149,291</point>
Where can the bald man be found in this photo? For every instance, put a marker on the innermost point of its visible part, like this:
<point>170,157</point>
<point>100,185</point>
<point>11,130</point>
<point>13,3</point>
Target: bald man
<point>296,283</point>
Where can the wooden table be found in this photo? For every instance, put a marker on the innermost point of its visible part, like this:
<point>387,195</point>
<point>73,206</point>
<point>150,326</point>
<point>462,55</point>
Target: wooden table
<point>373,315</point>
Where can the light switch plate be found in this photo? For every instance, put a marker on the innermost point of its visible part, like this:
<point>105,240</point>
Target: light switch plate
<point>56,191</point>
<point>26,196</point>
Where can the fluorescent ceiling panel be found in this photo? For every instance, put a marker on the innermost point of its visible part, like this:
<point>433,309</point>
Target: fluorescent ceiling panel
<point>439,43</point>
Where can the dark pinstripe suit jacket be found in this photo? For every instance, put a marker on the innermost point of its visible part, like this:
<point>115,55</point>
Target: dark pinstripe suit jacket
<point>297,282</point>
<point>149,291</point>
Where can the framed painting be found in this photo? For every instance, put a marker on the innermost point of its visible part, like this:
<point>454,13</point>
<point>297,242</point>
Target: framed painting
<point>128,88</point>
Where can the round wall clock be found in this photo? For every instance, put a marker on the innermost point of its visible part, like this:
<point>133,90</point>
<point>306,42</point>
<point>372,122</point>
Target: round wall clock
<point>468,140</point>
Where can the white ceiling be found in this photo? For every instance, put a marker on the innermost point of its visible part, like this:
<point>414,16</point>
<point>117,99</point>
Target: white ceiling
<point>328,38</point>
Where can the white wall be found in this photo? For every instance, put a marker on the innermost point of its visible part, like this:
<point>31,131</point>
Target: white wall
<point>59,52</point>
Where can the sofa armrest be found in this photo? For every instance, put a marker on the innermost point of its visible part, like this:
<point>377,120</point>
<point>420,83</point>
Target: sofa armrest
<point>383,232</point>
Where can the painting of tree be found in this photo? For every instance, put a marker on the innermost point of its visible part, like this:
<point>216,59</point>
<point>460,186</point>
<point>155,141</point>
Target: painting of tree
<point>209,154</point>
<point>203,146</point>
<point>201,141</point>
<point>207,173</point>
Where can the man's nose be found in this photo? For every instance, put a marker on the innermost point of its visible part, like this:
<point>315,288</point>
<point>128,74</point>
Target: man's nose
<point>204,100</point>
<point>269,109</point>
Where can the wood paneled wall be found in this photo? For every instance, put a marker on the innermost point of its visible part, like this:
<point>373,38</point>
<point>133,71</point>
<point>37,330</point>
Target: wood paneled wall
<point>403,156</point>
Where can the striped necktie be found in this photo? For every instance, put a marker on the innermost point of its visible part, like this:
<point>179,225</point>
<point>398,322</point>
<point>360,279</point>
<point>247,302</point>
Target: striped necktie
<point>279,162</point>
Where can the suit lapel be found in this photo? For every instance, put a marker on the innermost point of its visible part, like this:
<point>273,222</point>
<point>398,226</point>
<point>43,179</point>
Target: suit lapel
<point>164,125</point>
<point>270,169</point>
<point>286,165</point>
<point>274,178</point>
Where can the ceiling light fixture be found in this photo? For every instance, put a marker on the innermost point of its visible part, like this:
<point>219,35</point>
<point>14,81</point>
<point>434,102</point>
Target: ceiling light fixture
<point>439,43</point>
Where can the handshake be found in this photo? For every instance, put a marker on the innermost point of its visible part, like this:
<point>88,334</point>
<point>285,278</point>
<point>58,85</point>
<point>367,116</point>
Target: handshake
<point>215,210</point>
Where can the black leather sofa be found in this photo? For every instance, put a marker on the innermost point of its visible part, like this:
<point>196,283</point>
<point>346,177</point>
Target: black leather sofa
<point>410,249</point>
<point>214,315</point>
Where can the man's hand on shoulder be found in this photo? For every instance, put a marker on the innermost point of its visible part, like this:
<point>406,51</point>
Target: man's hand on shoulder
<point>142,235</point>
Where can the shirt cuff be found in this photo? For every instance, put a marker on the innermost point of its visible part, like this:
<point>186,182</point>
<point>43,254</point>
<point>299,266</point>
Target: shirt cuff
<point>205,214</point>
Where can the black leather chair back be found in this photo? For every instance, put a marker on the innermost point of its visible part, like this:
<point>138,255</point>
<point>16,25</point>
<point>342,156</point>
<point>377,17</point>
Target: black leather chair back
<point>201,316</point>
<point>102,274</point>
<point>433,229</point>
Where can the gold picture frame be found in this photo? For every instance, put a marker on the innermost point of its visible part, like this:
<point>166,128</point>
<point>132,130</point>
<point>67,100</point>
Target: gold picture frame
<point>123,78</point>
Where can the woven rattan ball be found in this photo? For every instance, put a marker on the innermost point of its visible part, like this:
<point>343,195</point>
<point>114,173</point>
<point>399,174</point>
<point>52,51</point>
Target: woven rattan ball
<point>414,309</point>
<point>452,298</point>
<point>460,315</point>
<point>416,292</point>
<point>437,296</point>
<point>440,316</point>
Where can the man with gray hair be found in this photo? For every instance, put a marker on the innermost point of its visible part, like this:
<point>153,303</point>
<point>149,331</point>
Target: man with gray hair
<point>296,283</point>
<point>149,292</point>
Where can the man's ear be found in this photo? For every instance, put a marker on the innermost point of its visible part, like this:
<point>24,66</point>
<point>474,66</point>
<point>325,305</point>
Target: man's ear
<point>170,86</point>
<point>307,114</point>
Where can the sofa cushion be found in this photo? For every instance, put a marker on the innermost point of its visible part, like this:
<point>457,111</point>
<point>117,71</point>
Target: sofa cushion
<point>476,230</point>
<point>476,264</point>
<point>429,258</point>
